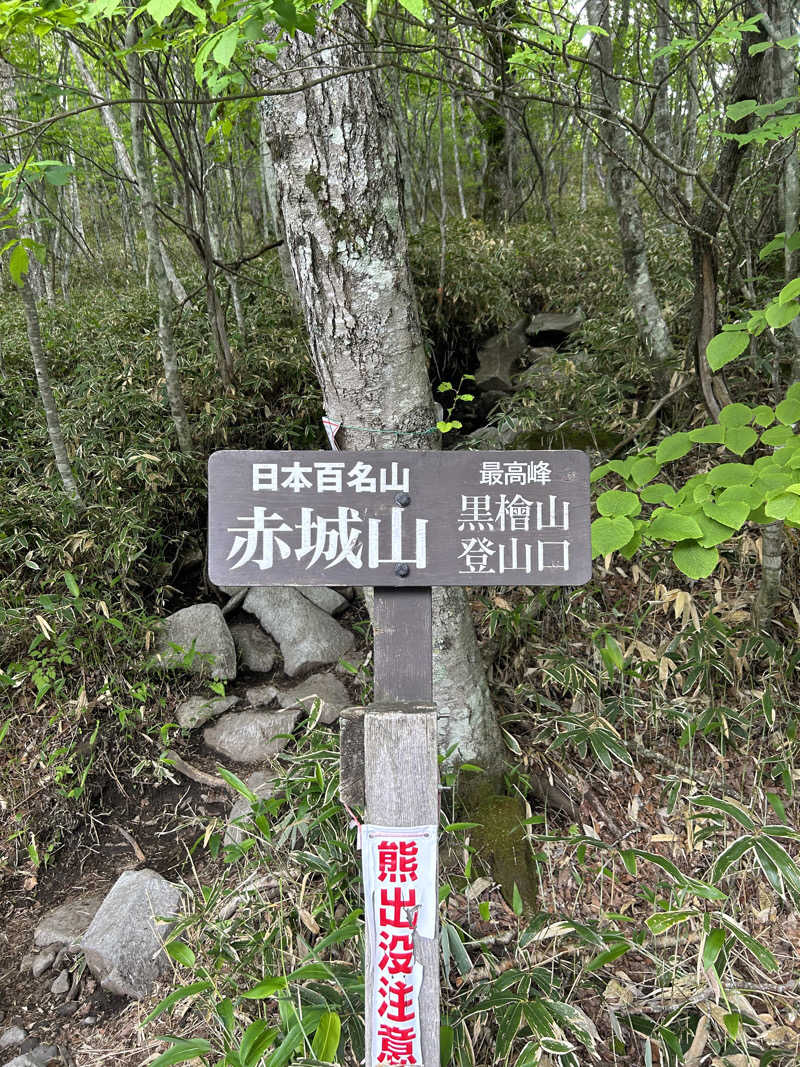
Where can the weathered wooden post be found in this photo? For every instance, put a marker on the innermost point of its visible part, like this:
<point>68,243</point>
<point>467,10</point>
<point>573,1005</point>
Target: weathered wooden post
<point>401,522</point>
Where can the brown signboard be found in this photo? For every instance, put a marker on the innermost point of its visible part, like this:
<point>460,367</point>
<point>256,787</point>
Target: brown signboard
<point>398,518</point>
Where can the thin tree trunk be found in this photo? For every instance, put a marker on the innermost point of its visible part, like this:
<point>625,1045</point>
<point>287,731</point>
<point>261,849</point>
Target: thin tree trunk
<point>268,176</point>
<point>46,393</point>
<point>340,200</point>
<point>144,182</point>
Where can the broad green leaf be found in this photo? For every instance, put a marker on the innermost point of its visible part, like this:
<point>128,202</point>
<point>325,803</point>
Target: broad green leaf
<point>226,45</point>
<point>733,513</point>
<point>708,435</point>
<point>763,415</point>
<point>71,584</point>
<point>644,470</point>
<point>668,525</point>
<point>256,1039</point>
<point>158,10</point>
<point>616,502</point>
<point>751,495</point>
<point>662,921</point>
<point>673,447</point>
<point>18,264</point>
<point>780,506</point>
<point>779,315</point>
<point>657,493</point>
<point>326,1039</point>
<point>632,547</point>
<point>773,246</point>
<point>777,436</point>
<point>731,474</point>
<point>725,347</point>
<point>181,953</point>
<point>714,533</point>
<point>267,987</point>
<point>610,534</point>
<point>789,291</point>
<point>415,8</point>
<point>741,109</point>
<point>735,415</point>
<point>788,411</point>
<point>712,946</point>
<point>182,1052</point>
<point>693,560</point>
<point>446,1039</point>
<point>608,956</point>
<point>739,438</point>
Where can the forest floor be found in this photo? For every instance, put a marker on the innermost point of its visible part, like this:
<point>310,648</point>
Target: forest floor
<point>650,726</point>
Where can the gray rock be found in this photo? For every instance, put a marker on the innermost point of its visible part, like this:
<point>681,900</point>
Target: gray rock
<point>66,924</point>
<point>196,711</point>
<point>258,651</point>
<point>263,785</point>
<point>308,636</point>
<point>200,629</point>
<point>327,599</point>
<point>552,327</point>
<point>347,591</point>
<point>123,945</point>
<point>37,1057</point>
<point>60,987</point>
<point>251,736</point>
<point>323,688</point>
<point>261,696</point>
<point>12,1037</point>
<point>494,437</point>
<point>42,962</point>
<point>498,357</point>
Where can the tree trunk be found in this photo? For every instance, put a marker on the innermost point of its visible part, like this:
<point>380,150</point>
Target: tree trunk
<point>337,171</point>
<point>144,181</point>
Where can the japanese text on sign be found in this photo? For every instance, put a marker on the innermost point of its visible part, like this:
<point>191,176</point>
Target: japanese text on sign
<point>439,518</point>
<point>400,898</point>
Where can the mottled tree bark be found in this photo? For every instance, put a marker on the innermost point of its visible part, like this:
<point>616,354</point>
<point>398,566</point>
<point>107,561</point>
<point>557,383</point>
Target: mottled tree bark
<point>337,176</point>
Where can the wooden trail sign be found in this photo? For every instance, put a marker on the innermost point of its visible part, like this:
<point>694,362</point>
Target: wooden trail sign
<point>401,522</point>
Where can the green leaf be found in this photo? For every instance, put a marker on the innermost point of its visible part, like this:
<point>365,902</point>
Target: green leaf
<point>673,447</point>
<point>741,109</point>
<point>668,525</point>
<point>58,174</point>
<point>658,493</point>
<point>714,533</point>
<point>773,246</point>
<point>71,584</point>
<point>415,8</point>
<point>644,470</point>
<point>725,347</point>
<point>182,1052</point>
<point>712,946</point>
<point>615,502</point>
<point>256,1039</point>
<point>708,435</point>
<point>777,436</point>
<point>610,534</point>
<point>761,952</point>
<point>733,513</point>
<point>731,474</point>
<point>693,560</point>
<point>763,415</point>
<point>735,415</point>
<point>788,412</point>
<point>446,1039</point>
<point>789,291</point>
<point>445,387</point>
<point>608,956</point>
<point>267,987</point>
<point>18,264</point>
<point>739,438</point>
<point>181,953</point>
<point>176,996</point>
<point>326,1039</point>
<point>226,45</point>
<point>662,921</point>
<point>751,495</point>
<point>780,506</point>
<point>780,315</point>
<point>727,807</point>
<point>158,10</point>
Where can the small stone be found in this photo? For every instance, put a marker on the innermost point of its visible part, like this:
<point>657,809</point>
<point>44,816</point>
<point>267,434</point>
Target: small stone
<point>42,962</point>
<point>251,736</point>
<point>327,599</point>
<point>261,696</point>
<point>69,1007</point>
<point>308,636</point>
<point>66,924</point>
<point>90,1020</point>
<point>123,946</point>
<point>12,1037</point>
<point>257,650</point>
<point>323,689</point>
<point>60,987</point>
<point>262,784</point>
<point>38,1056</point>
<point>197,710</point>
<point>197,639</point>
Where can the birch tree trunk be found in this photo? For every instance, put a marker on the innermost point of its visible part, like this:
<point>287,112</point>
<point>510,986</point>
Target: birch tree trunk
<point>337,172</point>
<point>144,181</point>
<point>652,328</point>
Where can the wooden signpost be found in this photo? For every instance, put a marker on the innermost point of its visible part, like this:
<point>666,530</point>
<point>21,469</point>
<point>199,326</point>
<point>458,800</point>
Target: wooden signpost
<point>401,522</point>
